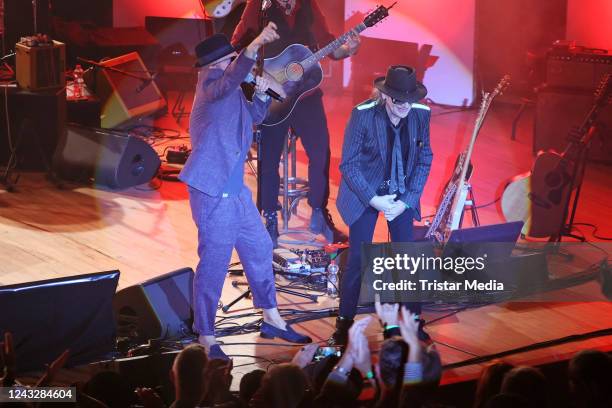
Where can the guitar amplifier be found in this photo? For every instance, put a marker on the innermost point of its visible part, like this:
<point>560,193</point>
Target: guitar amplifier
<point>581,69</point>
<point>558,110</point>
<point>41,67</point>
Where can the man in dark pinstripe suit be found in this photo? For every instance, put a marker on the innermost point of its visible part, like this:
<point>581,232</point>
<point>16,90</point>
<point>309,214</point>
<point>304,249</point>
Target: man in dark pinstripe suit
<point>386,160</point>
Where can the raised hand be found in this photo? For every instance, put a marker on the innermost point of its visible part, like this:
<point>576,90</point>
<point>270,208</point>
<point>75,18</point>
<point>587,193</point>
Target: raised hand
<point>388,313</point>
<point>303,357</point>
<point>53,369</point>
<point>149,398</point>
<point>362,357</point>
<point>409,327</point>
<point>267,35</point>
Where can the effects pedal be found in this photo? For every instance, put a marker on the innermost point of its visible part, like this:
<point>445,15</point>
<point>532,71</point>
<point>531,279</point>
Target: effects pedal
<point>178,155</point>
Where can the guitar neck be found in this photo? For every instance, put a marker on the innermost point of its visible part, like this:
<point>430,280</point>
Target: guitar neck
<point>331,47</point>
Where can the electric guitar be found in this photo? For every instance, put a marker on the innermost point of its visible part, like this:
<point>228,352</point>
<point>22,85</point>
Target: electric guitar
<point>540,198</point>
<point>297,70</point>
<point>450,210</point>
<point>220,8</point>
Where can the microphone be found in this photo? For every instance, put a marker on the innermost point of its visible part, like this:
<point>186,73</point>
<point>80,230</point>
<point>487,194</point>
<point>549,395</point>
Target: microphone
<point>250,78</point>
<point>145,83</point>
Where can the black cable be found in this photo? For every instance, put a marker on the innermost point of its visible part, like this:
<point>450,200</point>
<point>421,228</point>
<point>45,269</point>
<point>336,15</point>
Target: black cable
<point>488,204</point>
<point>594,233</point>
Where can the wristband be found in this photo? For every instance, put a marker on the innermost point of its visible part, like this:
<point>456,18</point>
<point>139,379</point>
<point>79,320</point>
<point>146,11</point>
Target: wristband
<point>391,326</point>
<point>369,375</point>
<point>342,370</point>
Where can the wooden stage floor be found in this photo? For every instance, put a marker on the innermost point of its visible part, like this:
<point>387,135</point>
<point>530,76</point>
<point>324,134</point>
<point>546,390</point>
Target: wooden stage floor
<point>47,233</point>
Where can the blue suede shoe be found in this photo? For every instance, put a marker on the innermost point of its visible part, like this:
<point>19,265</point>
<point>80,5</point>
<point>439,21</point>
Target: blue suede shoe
<point>215,353</point>
<point>267,331</point>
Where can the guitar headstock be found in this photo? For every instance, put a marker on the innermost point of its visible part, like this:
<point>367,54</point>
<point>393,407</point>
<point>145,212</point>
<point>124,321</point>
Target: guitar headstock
<point>377,15</point>
<point>502,85</point>
<point>603,90</point>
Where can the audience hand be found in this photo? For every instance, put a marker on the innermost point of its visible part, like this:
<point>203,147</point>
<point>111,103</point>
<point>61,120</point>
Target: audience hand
<point>362,358</point>
<point>53,369</point>
<point>383,203</point>
<point>149,398</point>
<point>304,356</point>
<point>409,327</point>
<point>7,361</point>
<point>388,313</point>
<point>217,379</point>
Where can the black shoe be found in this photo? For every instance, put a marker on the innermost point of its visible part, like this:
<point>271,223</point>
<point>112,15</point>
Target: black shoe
<point>340,336</point>
<point>272,226</point>
<point>321,223</point>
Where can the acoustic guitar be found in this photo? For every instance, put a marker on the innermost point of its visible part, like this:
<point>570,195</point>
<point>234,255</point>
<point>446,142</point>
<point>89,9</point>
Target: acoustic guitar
<point>220,8</point>
<point>297,71</point>
<point>540,198</point>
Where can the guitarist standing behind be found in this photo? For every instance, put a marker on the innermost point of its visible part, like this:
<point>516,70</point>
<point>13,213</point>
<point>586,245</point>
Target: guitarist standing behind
<point>298,22</point>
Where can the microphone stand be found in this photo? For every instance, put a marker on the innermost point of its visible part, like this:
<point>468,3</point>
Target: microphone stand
<point>263,17</point>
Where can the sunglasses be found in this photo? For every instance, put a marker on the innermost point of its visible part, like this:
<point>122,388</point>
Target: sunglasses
<point>398,102</point>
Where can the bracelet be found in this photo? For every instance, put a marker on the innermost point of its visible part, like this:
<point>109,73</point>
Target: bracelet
<point>369,375</point>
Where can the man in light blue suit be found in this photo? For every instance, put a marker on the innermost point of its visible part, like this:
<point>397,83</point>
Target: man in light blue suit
<point>221,130</point>
<point>386,158</point>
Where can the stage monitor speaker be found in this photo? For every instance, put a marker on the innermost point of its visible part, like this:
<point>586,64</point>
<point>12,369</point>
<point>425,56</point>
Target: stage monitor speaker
<point>50,316</point>
<point>558,110</point>
<point>127,91</point>
<point>113,159</point>
<point>159,308</point>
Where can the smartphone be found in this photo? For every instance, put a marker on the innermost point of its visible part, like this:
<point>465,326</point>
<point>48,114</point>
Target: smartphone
<point>323,352</point>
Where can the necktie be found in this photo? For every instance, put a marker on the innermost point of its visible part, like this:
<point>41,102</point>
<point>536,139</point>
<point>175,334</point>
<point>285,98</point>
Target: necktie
<point>397,164</point>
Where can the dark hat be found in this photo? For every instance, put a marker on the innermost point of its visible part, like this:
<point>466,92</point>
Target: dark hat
<point>400,83</point>
<point>212,48</point>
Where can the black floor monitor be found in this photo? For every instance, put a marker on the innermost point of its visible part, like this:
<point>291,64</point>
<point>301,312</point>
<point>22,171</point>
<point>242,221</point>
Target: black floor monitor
<point>50,316</point>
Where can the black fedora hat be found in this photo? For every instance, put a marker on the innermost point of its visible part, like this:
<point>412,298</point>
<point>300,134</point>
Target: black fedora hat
<point>401,84</point>
<point>213,48</point>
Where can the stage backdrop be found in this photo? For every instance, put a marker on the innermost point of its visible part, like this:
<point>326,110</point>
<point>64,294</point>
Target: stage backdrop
<point>445,25</point>
<point>413,26</point>
<point>588,22</point>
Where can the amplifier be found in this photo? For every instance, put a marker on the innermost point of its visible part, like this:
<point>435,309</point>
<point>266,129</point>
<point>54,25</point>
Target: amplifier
<point>558,110</point>
<point>41,67</point>
<point>580,69</point>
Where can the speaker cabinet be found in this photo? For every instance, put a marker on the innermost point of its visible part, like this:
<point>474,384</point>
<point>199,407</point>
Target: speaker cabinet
<point>50,316</point>
<point>159,308</point>
<point>37,122</point>
<point>558,110</point>
<point>127,91</point>
<point>113,159</point>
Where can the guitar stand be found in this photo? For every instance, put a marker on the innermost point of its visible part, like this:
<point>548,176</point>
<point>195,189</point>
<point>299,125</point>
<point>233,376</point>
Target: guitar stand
<point>577,179</point>
<point>247,294</point>
<point>470,204</point>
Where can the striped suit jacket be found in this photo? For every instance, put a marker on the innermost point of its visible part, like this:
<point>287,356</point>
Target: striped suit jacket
<point>364,154</point>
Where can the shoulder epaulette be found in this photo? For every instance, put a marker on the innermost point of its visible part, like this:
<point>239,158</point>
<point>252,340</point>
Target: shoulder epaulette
<point>419,106</point>
<point>367,105</point>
